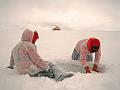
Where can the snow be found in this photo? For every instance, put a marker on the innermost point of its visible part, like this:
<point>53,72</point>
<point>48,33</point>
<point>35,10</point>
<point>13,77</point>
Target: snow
<point>56,47</point>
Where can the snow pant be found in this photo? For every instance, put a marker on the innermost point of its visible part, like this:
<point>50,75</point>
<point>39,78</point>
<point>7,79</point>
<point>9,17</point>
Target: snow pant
<point>76,56</point>
<point>54,72</point>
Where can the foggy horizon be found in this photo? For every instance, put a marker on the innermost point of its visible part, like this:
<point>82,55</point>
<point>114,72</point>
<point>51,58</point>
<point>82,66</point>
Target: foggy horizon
<point>80,14</point>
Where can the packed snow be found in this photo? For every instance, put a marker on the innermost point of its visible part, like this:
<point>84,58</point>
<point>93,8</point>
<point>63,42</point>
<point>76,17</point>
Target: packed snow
<point>57,47</point>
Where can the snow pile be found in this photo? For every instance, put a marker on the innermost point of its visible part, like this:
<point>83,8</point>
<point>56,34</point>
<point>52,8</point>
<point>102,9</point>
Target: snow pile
<point>57,46</point>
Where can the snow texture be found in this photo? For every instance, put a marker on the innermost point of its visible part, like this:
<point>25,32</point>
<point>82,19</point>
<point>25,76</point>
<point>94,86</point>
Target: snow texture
<point>57,47</point>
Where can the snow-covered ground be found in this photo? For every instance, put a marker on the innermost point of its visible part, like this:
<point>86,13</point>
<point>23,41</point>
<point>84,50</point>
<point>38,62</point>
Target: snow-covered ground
<point>57,46</point>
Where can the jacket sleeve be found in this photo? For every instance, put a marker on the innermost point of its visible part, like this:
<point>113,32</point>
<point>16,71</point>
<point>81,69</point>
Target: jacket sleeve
<point>36,59</point>
<point>83,53</point>
<point>97,57</point>
<point>11,64</point>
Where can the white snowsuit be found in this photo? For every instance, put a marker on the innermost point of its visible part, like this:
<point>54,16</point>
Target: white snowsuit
<point>27,61</point>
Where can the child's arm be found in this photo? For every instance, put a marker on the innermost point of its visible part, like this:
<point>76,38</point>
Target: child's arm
<point>97,56</point>
<point>83,53</point>
<point>83,59</point>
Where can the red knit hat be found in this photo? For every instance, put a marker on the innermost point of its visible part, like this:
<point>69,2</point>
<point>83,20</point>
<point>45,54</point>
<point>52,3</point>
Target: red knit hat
<point>93,42</point>
<point>35,37</point>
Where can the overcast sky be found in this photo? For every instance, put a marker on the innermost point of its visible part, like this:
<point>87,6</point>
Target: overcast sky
<point>74,13</point>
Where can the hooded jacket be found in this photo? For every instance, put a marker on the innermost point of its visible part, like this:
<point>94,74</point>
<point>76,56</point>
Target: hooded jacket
<point>82,49</point>
<point>24,55</point>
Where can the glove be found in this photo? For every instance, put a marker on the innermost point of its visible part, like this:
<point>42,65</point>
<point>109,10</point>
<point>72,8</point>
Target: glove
<point>87,69</point>
<point>95,68</point>
<point>10,67</point>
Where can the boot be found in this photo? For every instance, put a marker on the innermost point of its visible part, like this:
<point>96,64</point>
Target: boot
<point>62,77</point>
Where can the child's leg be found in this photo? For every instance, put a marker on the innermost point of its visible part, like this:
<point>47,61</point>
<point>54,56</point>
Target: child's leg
<point>75,55</point>
<point>59,73</point>
<point>54,72</point>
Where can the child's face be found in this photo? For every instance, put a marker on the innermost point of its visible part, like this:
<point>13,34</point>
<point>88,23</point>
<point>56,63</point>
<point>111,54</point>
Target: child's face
<point>94,49</point>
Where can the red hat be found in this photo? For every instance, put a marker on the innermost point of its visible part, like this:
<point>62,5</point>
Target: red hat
<point>93,42</point>
<point>35,37</point>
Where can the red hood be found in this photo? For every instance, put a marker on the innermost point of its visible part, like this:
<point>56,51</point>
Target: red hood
<point>93,42</point>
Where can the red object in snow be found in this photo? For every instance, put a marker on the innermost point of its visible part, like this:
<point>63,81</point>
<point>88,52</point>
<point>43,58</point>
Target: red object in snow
<point>93,42</point>
<point>35,37</point>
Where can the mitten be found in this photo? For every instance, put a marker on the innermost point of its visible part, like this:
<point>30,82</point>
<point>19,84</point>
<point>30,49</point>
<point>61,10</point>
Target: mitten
<point>95,68</point>
<point>87,69</point>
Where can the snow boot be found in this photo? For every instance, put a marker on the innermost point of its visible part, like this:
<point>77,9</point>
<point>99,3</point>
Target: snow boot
<point>63,76</point>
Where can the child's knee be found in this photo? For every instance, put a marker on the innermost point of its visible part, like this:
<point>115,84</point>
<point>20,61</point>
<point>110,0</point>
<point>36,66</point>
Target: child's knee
<point>75,57</point>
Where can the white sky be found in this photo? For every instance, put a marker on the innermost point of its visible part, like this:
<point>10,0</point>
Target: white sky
<point>102,14</point>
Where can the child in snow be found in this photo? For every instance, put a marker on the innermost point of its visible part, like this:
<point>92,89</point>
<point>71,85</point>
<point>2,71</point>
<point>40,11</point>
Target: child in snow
<point>27,61</point>
<point>83,51</point>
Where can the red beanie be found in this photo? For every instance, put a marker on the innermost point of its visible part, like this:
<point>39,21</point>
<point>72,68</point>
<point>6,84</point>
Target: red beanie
<point>35,37</point>
<point>93,42</point>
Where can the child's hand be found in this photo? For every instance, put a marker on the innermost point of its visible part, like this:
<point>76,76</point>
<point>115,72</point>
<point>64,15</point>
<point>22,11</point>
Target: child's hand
<point>87,69</point>
<point>95,68</point>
